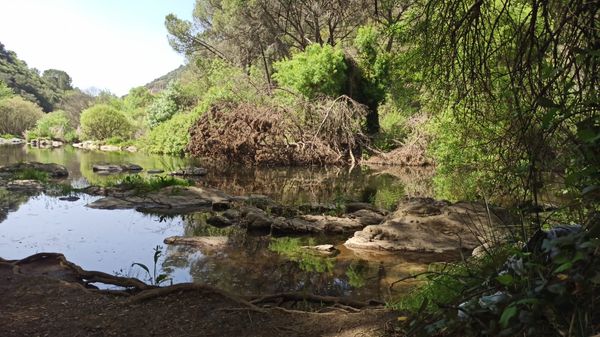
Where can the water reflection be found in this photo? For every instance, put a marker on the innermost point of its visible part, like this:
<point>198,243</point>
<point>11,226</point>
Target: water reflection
<point>111,241</point>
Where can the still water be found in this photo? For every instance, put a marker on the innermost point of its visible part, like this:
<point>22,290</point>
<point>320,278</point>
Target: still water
<point>111,240</point>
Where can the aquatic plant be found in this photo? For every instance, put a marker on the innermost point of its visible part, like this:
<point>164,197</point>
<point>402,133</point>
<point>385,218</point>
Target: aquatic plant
<point>292,249</point>
<point>31,174</point>
<point>143,184</point>
<point>155,278</point>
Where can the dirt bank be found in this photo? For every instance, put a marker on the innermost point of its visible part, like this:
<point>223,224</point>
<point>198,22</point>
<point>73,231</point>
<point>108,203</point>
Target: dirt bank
<point>41,297</point>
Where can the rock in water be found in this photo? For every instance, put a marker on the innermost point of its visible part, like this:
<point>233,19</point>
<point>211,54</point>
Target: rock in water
<point>117,168</point>
<point>190,171</point>
<point>426,225</point>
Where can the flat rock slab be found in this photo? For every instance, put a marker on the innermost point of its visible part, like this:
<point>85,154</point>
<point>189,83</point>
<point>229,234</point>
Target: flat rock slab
<point>53,170</point>
<point>201,242</point>
<point>172,199</point>
<point>305,224</point>
<point>117,168</point>
<point>426,225</point>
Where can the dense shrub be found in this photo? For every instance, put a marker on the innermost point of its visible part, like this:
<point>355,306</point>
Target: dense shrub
<point>165,105</point>
<point>102,122</point>
<point>317,70</point>
<point>172,136</point>
<point>55,125</point>
<point>18,115</point>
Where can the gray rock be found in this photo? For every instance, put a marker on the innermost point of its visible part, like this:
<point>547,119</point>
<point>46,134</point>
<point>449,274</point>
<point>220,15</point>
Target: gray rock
<point>327,250</point>
<point>450,228</point>
<point>204,243</point>
<point>155,171</point>
<point>232,214</point>
<point>171,200</point>
<point>116,168</point>
<point>70,198</point>
<point>218,221</point>
<point>190,171</point>
<point>11,141</point>
<point>24,186</point>
<point>110,148</point>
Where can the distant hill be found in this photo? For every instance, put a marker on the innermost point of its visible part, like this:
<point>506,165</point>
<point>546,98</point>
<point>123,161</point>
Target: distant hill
<point>45,89</point>
<point>160,83</point>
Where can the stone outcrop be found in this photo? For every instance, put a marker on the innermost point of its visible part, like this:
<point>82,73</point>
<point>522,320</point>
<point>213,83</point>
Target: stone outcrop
<point>426,225</point>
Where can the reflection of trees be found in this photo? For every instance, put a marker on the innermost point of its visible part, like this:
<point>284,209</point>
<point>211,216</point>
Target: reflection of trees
<point>248,266</point>
<point>10,202</point>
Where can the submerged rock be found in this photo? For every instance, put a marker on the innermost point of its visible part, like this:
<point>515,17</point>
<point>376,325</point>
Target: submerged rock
<point>325,250</point>
<point>155,171</point>
<point>426,225</point>
<point>190,171</point>
<point>117,168</point>
<point>70,198</point>
<point>201,242</point>
<point>53,170</point>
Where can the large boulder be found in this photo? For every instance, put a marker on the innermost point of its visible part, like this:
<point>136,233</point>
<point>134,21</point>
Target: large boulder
<point>426,225</point>
<point>53,170</point>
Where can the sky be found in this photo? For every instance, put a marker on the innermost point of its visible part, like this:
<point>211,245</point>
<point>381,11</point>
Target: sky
<point>105,44</point>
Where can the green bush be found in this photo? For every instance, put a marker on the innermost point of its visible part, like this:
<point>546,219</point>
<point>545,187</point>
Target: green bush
<point>172,136</point>
<point>102,122</point>
<point>5,91</point>
<point>317,70</point>
<point>165,105</point>
<point>54,125</point>
<point>18,115</point>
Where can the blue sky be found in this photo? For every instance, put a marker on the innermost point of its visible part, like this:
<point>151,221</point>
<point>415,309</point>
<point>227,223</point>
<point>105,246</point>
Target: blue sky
<point>107,44</point>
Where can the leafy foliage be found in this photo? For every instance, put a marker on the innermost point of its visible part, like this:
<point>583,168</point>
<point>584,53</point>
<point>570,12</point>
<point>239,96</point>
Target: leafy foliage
<point>544,291</point>
<point>170,137</point>
<point>54,125</point>
<point>102,122</point>
<point>319,70</point>
<point>18,115</point>
<point>27,83</point>
<point>165,105</point>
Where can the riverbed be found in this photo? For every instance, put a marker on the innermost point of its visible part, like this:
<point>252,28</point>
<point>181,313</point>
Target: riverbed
<point>113,240</point>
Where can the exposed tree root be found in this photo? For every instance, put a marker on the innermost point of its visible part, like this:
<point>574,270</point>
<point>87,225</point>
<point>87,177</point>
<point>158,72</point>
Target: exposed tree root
<point>300,297</point>
<point>185,287</point>
<point>56,266</point>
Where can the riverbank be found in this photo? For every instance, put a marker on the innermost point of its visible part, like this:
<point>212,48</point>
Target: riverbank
<point>37,301</point>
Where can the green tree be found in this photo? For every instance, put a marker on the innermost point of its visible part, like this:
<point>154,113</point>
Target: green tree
<point>58,78</point>
<point>53,125</point>
<point>18,115</point>
<point>166,104</point>
<point>319,70</point>
<point>102,121</point>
